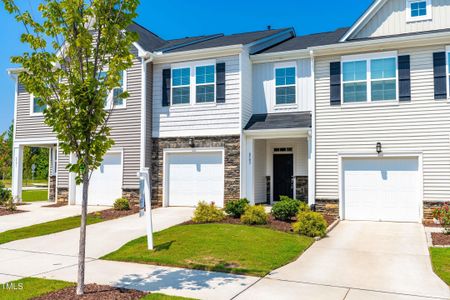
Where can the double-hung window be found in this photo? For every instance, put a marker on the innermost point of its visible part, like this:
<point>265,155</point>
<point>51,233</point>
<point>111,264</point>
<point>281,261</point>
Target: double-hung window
<point>285,86</point>
<point>205,84</point>
<point>37,107</point>
<point>418,10</point>
<point>181,85</point>
<point>113,99</point>
<point>371,79</point>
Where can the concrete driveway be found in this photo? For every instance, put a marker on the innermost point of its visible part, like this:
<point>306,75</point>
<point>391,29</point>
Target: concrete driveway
<point>359,260</point>
<point>36,213</point>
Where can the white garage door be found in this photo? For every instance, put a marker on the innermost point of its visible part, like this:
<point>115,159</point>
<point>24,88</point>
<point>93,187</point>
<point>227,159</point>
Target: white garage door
<point>194,177</point>
<point>382,189</point>
<point>106,182</point>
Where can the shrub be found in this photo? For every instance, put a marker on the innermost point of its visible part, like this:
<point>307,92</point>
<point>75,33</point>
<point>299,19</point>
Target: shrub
<point>443,215</point>
<point>10,205</point>
<point>286,209</point>
<point>121,204</point>
<point>236,208</point>
<point>5,194</point>
<point>311,224</point>
<point>207,213</point>
<point>255,215</point>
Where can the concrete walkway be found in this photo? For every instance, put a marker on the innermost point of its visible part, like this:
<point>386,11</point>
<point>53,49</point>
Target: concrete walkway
<point>359,260</point>
<point>36,213</point>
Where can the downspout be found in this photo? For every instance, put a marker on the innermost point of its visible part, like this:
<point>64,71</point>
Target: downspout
<point>146,57</point>
<point>312,137</point>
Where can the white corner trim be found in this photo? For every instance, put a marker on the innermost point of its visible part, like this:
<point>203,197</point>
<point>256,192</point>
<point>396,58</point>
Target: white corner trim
<point>447,68</point>
<point>143,136</point>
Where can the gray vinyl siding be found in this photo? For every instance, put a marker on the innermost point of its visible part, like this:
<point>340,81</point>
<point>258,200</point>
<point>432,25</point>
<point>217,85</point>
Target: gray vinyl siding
<point>391,19</point>
<point>199,119</point>
<point>63,174</point>
<point>125,127</point>
<point>247,99</point>
<point>423,125</point>
<point>264,88</point>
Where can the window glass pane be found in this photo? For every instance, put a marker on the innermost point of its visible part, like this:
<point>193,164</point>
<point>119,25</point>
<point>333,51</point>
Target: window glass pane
<point>205,74</point>
<point>355,92</point>
<point>285,95</point>
<point>181,95</point>
<point>355,70</point>
<point>419,9</point>
<point>285,76</point>
<point>117,101</point>
<point>181,76</point>
<point>384,90</point>
<point>37,108</point>
<point>383,68</point>
<point>205,93</point>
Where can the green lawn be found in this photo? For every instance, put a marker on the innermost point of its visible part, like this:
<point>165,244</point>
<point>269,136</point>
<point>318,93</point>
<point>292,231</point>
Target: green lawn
<point>46,228</point>
<point>35,287</point>
<point>26,182</point>
<point>34,195</point>
<point>217,247</point>
<point>28,288</point>
<point>440,257</point>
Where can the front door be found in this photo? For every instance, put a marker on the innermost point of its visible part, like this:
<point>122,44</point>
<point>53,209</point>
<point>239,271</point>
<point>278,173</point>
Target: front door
<point>283,170</point>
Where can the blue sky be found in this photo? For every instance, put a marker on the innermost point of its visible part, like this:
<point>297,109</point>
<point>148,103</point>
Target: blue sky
<point>179,18</point>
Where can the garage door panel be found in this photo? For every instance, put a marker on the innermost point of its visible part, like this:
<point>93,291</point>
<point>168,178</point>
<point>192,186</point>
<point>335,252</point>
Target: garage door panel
<point>194,177</point>
<point>381,189</point>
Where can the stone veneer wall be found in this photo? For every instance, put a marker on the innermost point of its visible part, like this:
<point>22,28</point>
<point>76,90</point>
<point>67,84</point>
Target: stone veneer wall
<point>328,207</point>
<point>428,208</point>
<point>132,195</point>
<point>231,144</point>
<point>63,195</point>
<point>52,188</point>
<point>301,188</point>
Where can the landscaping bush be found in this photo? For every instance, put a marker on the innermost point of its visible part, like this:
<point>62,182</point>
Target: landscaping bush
<point>255,215</point>
<point>10,205</point>
<point>122,204</point>
<point>207,213</point>
<point>311,224</point>
<point>443,215</point>
<point>286,209</point>
<point>236,208</point>
<point>5,194</point>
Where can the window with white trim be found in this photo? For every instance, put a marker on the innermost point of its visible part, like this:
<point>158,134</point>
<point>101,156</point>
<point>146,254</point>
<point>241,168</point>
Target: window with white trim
<point>113,99</point>
<point>285,86</point>
<point>37,107</point>
<point>181,85</point>
<point>371,79</point>
<point>205,80</point>
<point>418,10</point>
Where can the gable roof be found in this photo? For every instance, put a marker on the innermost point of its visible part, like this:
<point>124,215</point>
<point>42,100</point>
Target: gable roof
<point>147,39</point>
<point>229,40</point>
<point>306,41</point>
<point>367,15</point>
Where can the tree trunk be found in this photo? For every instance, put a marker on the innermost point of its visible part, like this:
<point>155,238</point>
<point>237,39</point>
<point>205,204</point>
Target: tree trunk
<point>82,246</point>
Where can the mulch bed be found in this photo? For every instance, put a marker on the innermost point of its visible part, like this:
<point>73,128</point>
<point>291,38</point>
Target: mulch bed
<point>440,239</point>
<point>428,223</point>
<point>94,292</point>
<point>5,212</point>
<point>59,204</point>
<point>272,224</point>
<point>111,214</point>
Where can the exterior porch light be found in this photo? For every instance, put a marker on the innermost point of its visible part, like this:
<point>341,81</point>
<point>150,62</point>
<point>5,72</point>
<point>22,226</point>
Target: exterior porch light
<point>379,148</point>
<point>191,142</point>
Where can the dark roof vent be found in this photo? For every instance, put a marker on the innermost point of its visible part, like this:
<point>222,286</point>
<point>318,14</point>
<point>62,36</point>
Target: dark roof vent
<point>269,27</point>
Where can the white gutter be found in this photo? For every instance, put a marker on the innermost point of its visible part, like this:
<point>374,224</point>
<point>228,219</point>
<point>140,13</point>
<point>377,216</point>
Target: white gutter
<point>160,57</point>
<point>145,59</point>
<point>312,136</point>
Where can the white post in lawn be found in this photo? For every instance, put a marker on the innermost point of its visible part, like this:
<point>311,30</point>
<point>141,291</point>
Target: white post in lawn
<point>145,177</point>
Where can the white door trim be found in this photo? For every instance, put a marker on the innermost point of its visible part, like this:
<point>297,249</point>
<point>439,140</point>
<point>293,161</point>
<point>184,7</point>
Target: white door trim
<point>168,151</point>
<point>349,155</point>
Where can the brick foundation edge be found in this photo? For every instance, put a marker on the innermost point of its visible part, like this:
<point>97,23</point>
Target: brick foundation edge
<point>429,207</point>
<point>328,207</point>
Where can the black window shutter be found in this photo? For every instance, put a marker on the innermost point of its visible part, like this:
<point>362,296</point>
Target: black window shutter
<point>404,78</point>
<point>440,76</point>
<point>166,87</point>
<point>335,83</point>
<point>220,83</point>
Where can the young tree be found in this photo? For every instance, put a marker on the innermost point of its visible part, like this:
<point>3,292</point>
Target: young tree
<point>90,48</point>
<point>6,145</point>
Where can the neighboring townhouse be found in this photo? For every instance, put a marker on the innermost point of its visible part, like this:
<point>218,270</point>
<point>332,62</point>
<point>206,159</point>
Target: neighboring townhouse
<point>381,113</point>
<point>355,121</point>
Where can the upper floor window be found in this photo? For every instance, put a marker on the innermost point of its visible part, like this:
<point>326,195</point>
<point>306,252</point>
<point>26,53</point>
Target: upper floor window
<point>418,10</point>
<point>285,86</point>
<point>37,107</point>
<point>370,79</point>
<point>113,100</point>
<point>181,82</point>
<point>205,84</point>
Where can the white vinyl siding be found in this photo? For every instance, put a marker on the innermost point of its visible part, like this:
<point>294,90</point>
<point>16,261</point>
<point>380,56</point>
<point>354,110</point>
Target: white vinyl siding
<point>246,87</point>
<point>264,100</point>
<point>260,158</point>
<point>199,119</point>
<point>392,19</point>
<point>421,125</point>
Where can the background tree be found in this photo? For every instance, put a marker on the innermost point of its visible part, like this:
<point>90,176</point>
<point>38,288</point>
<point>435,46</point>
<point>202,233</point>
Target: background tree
<point>6,145</point>
<point>86,38</point>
